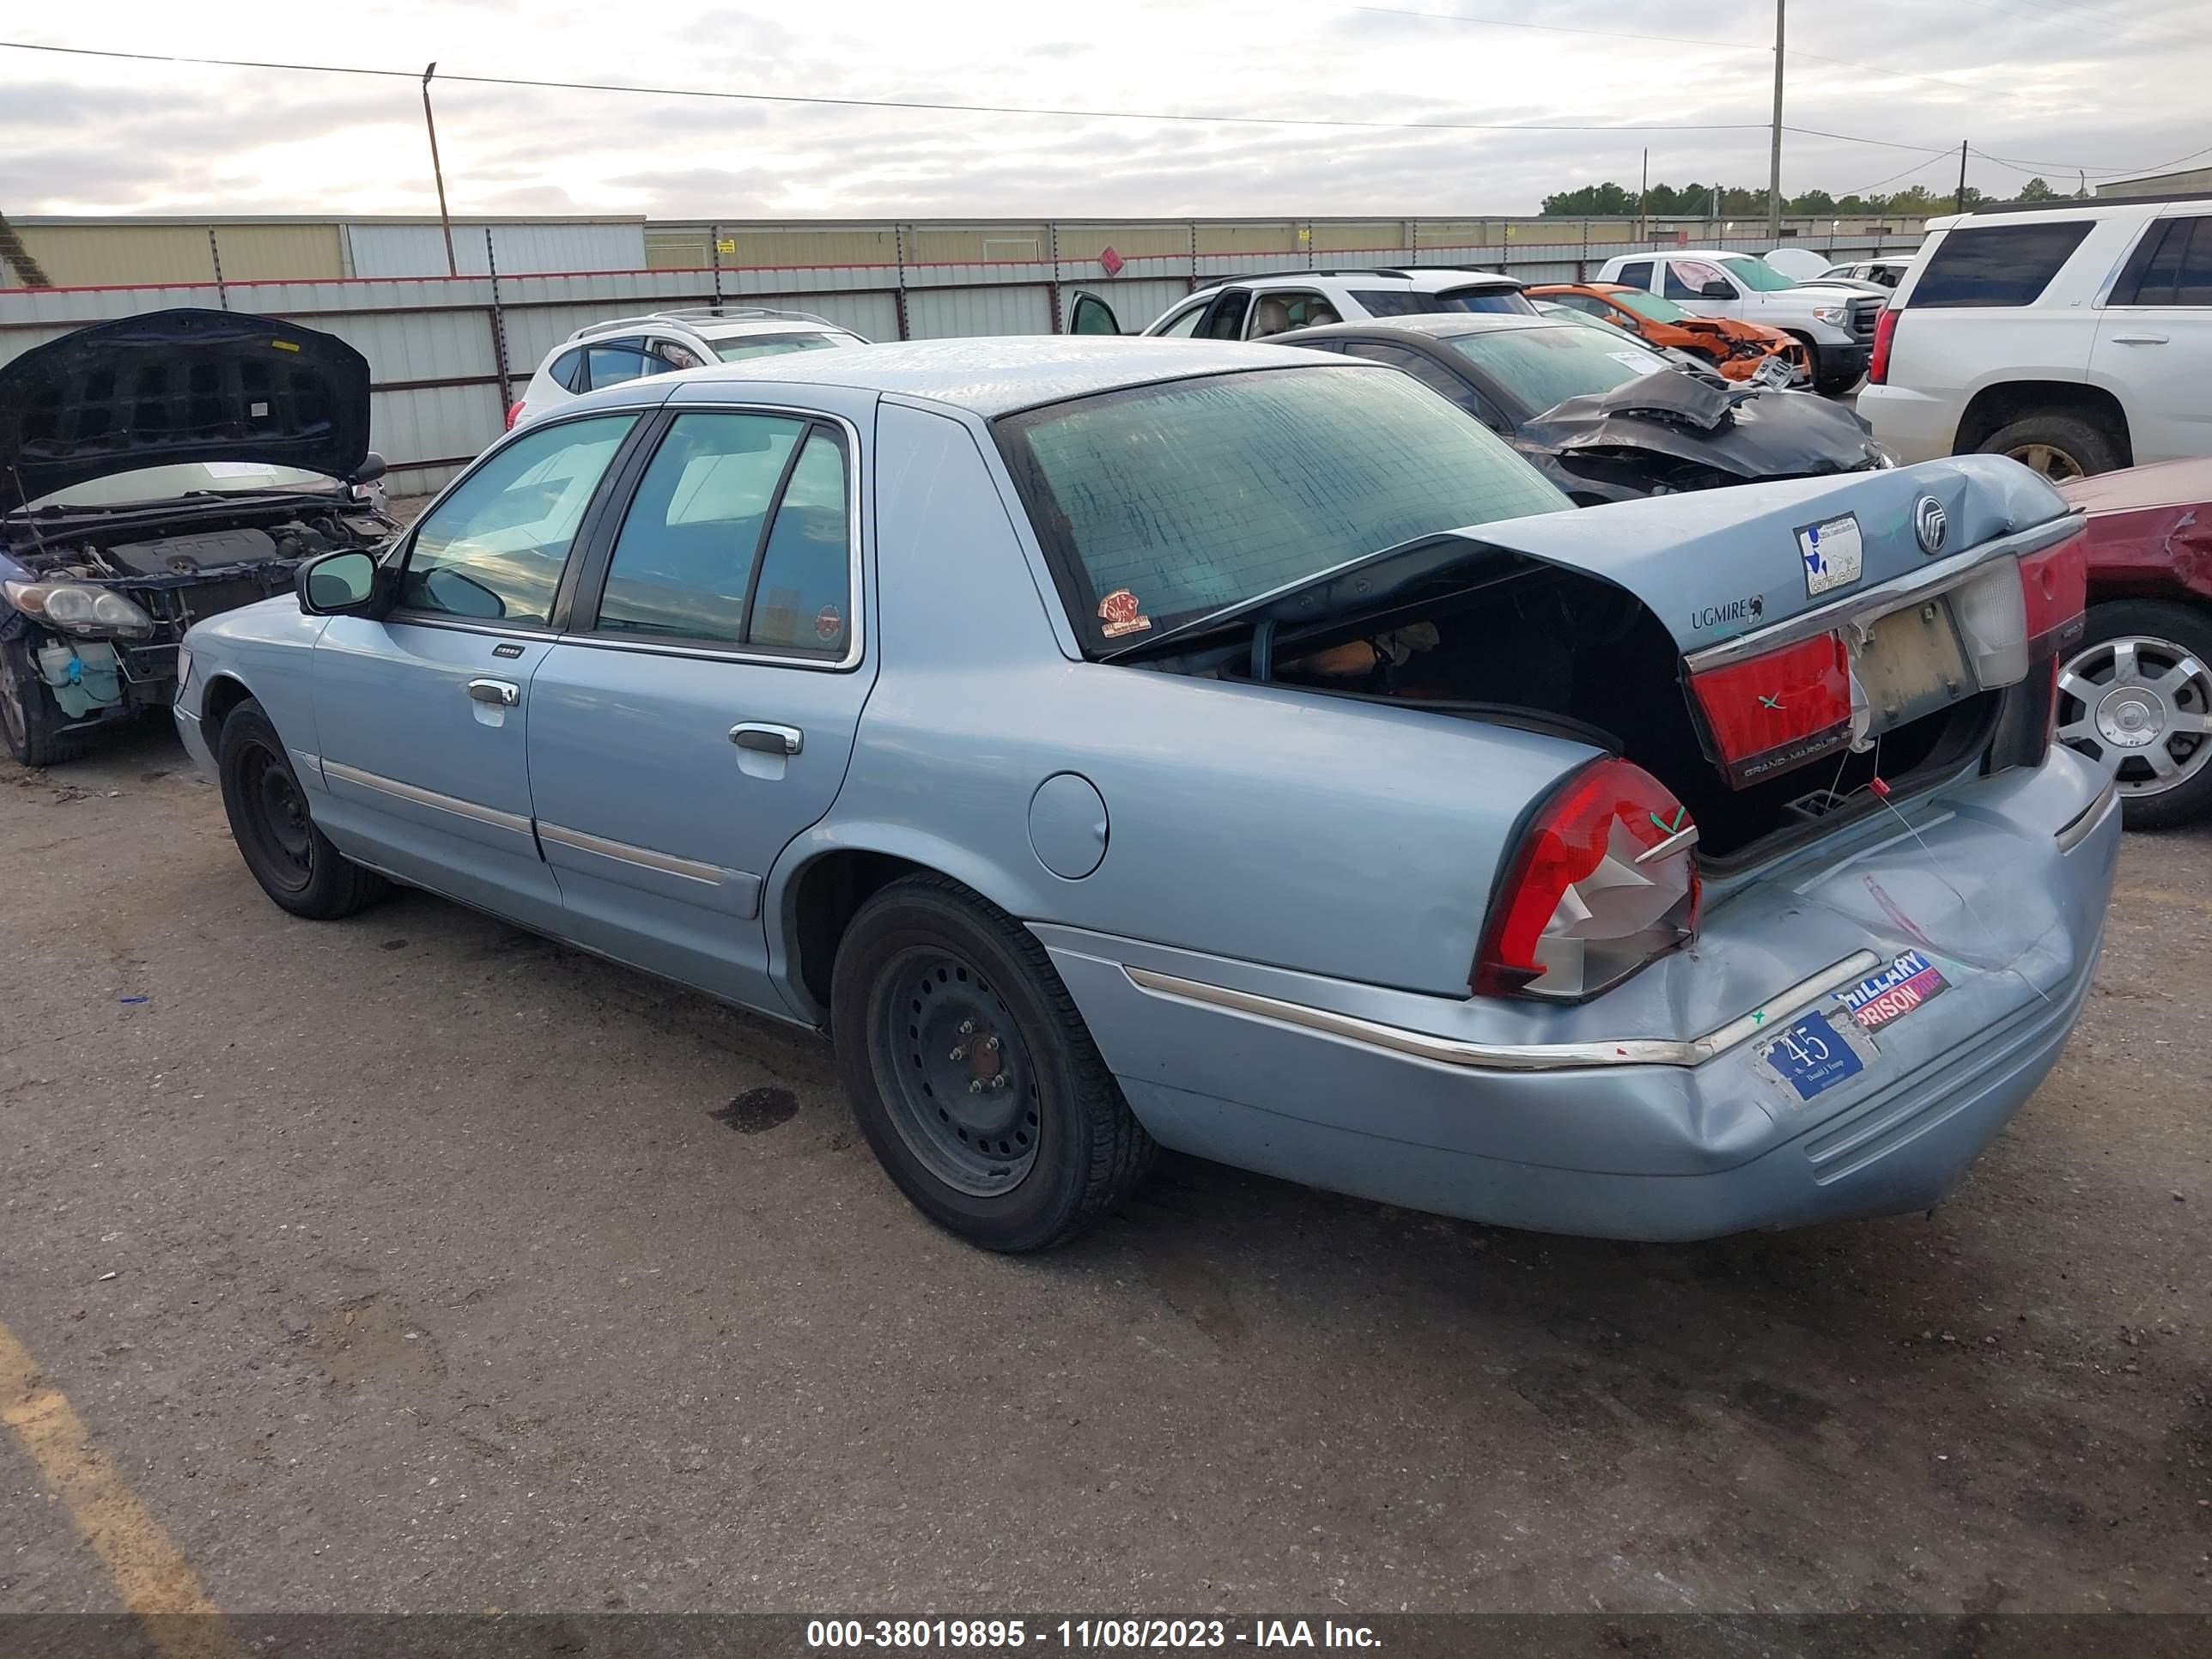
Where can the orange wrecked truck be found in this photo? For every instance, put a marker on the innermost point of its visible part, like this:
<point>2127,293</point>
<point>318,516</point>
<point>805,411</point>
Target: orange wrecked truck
<point>1735,349</point>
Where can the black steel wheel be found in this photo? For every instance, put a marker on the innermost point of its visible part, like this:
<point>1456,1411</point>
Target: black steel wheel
<point>295,863</point>
<point>973,1075</point>
<point>963,1091</point>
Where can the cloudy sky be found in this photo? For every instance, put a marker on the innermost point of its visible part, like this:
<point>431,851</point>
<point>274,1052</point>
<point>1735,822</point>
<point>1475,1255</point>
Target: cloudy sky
<point>2058,85</point>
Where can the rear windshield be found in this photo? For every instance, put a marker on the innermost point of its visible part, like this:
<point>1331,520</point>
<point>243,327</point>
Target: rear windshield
<point>1996,264</point>
<point>1161,504</point>
<point>770,345</point>
<point>1537,368</point>
<point>1511,301</point>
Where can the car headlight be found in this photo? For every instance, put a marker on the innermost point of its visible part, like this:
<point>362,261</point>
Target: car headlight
<point>1837,314</point>
<point>183,666</point>
<point>77,610</point>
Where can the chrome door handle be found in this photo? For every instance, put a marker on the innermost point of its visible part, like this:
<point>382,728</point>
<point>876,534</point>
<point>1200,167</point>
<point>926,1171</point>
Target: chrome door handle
<point>769,739</point>
<point>2139,339</point>
<point>503,693</point>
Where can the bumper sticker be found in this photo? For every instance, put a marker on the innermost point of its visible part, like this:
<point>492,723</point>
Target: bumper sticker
<point>1894,991</point>
<point>1810,1054</point>
<point>1834,553</point>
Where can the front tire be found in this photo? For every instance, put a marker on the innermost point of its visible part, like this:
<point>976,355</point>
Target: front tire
<point>30,723</point>
<point>296,864</point>
<point>2137,699</point>
<point>973,1075</point>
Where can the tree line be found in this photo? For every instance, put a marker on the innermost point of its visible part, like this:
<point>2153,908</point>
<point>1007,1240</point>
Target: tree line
<point>1611,201</point>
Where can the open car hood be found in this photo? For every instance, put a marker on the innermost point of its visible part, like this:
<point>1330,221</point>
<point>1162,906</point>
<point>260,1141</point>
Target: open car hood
<point>178,386</point>
<point>1706,421</point>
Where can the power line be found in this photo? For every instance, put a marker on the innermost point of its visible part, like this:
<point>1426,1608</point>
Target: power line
<point>2018,166</point>
<point>1917,167</point>
<point>891,103</point>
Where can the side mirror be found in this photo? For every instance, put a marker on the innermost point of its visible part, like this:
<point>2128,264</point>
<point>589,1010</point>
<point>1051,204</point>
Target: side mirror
<point>347,583</point>
<point>1717,289</point>
<point>371,469</point>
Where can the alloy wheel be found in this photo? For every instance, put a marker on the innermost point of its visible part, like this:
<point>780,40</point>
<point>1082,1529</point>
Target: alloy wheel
<point>2141,707</point>
<point>2053,462</point>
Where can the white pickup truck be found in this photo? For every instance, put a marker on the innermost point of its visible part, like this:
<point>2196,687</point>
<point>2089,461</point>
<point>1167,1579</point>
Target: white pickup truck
<point>1835,320</point>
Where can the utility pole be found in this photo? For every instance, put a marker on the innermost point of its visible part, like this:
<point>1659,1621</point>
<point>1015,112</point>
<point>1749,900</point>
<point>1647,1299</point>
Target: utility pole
<point>1774,169</point>
<point>1643,191</point>
<point>445,219</point>
<point>1962,176</point>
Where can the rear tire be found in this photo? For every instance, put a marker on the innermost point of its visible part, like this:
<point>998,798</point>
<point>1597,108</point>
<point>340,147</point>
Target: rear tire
<point>2059,447</point>
<point>296,864</point>
<point>973,1075</point>
<point>2138,685</point>
<point>29,721</point>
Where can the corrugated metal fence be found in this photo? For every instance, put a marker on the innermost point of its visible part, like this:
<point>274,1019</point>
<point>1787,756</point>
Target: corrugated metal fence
<point>448,355</point>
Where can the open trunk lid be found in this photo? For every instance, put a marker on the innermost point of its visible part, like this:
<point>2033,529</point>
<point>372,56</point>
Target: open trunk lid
<point>179,386</point>
<point>1816,617</point>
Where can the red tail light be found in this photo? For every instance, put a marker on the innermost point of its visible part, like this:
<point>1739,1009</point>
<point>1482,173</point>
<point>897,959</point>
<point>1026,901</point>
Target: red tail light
<point>1602,883</point>
<point>1771,711</point>
<point>1884,331</point>
<point>515,413</point>
<point>2055,583</point>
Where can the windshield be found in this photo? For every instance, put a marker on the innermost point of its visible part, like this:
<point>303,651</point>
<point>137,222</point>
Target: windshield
<point>1647,305</point>
<point>1756,273</point>
<point>1382,303</point>
<point>770,345</point>
<point>1161,504</point>
<point>1537,368</point>
<point>181,478</point>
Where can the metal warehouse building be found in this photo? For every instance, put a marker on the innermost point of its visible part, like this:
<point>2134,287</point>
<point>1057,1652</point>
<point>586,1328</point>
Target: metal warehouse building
<point>140,251</point>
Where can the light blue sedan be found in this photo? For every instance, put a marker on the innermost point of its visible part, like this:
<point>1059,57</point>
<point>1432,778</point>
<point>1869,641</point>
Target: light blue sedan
<point>1117,744</point>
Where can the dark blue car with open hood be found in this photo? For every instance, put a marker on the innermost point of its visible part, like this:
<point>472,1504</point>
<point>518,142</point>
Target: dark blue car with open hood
<point>156,471</point>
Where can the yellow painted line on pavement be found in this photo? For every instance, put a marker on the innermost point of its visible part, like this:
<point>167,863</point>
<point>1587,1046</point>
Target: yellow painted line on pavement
<point>158,1586</point>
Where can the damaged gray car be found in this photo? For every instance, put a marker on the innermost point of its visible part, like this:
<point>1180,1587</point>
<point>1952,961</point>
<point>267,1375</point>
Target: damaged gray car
<point>154,471</point>
<point>1604,417</point>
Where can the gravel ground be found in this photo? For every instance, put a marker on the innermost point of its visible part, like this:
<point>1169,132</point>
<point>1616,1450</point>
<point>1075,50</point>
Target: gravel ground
<point>414,1263</point>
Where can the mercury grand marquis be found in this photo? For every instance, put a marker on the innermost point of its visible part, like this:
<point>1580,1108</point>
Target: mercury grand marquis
<point>1114,744</point>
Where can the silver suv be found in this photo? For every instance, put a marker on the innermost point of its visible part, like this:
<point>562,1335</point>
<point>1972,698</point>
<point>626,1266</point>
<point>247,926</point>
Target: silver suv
<point>601,354</point>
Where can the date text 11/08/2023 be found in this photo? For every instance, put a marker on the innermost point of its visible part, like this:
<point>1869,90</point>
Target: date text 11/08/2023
<point>1083,1635</point>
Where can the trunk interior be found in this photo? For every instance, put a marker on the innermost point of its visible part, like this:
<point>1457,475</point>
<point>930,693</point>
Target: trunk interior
<point>1549,642</point>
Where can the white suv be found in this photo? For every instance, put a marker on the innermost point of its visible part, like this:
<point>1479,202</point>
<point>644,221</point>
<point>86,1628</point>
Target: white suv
<point>1835,320</point>
<point>1252,308</point>
<point>2076,338</point>
<point>630,347</point>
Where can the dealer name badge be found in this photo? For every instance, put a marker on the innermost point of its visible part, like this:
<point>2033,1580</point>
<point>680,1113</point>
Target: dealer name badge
<point>1834,553</point>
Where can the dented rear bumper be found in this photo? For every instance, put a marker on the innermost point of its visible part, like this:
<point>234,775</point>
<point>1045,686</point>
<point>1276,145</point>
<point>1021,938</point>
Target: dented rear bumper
<point>1514,1114</point>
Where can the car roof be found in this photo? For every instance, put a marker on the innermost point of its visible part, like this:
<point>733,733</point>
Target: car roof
<point>1440,325</point>
<point>1540,289</point>
<point>1391,279</point>
<point>738,328</point>
<point>990,377</point>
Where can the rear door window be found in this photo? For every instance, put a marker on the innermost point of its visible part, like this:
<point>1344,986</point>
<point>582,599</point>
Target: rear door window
<point>1636,274</point>
<point>1996,264</point>
<point>2172,265</point>
<point>620,361</point>
<point>1224,320</point>
<point>738,535</point>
